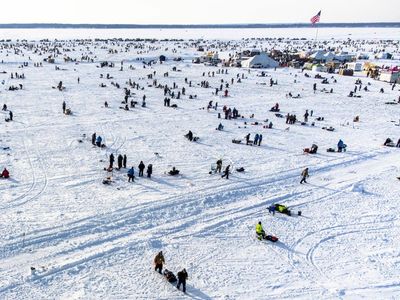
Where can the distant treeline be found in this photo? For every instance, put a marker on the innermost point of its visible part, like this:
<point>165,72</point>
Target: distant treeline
<point>194,26</point>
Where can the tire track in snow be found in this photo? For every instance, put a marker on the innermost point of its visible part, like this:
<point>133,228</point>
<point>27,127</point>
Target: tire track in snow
<point>37,192</point>
<point>131,212</point>
<point>112,244</point>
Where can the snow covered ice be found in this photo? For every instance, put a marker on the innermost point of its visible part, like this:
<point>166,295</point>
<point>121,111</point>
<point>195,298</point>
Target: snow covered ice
<point>88,240</point>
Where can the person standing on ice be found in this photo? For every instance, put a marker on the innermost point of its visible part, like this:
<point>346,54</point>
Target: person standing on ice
<point>149,170</point>
<point>219,166</point>
<point>341,146</point>
<point>182,277</point>
<point>64,106</point>
<point>141,168</point>
<point>260,137</point>
<point>314,87</point>
<point>131,174</point>
<point>94,138</point>
<point>159,261</point>
<point>255,142</point>
<point>98,141</point>
<point>111,161</point>
<point>306,116</point>
<point>120,160</point>
<point>247,138</point>
<point>124,161</point>
<point>304,175</point>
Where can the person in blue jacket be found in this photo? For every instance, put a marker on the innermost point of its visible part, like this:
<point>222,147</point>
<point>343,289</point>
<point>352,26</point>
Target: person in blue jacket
<point>341,146</point>
<point>98,141</point>
<point>131,175</point>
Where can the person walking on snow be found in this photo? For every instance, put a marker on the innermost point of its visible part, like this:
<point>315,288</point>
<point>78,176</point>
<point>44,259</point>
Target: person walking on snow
<point>226,173</point>
<point>141,168</point>
<point>182,277</point>
<point>159,261</point>
<point>304,175</point>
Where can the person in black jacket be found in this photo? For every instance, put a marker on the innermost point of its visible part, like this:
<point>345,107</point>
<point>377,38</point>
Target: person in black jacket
<point>226,173</point>
<point>182,277</point>
<point>111,160</point>
<point>149,170</point>
<point>141,168</point>
<point>124,161</point>
<point>120,159</point>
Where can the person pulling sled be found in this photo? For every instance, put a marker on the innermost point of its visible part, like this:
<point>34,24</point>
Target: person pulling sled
<point>261,234</point>
<point>182,277</point>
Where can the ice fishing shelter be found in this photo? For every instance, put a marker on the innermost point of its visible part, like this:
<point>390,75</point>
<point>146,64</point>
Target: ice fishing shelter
<point>389,76</point>
<point>355,66</point>
<point>261,60</point>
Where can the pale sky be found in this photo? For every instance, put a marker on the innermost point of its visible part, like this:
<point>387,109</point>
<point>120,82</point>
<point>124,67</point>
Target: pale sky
<point>197,12</point>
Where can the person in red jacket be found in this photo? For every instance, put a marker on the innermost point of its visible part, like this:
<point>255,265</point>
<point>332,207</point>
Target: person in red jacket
<point>5,173</point>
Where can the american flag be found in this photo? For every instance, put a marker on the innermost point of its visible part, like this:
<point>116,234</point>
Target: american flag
<point>316,18</point>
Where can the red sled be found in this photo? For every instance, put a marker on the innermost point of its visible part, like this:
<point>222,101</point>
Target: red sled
<point>271,238</point>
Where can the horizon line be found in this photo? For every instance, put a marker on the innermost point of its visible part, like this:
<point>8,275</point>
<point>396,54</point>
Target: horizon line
<point>180,26</point>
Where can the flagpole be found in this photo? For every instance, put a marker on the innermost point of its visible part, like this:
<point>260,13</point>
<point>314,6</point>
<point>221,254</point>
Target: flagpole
<point>316,34</point>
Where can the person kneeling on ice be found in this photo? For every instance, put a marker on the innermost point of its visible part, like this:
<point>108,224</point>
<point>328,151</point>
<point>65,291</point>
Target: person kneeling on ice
<point>159,261</point>
<point>131,174</point>
<point>173,172</point>
<point>260,231</point>
<point>5,174</point>
<point>220,127</point>
<point>282,209</point>
<point>182,277</point>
